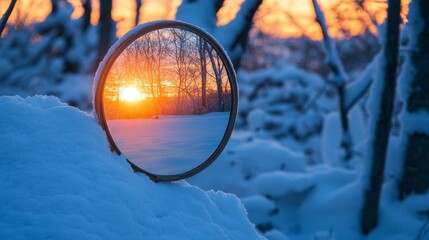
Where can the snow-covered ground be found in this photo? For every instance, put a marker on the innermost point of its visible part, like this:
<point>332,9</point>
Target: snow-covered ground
<point>287,199</point>
<point>170,144</point>
<point>59,180</point>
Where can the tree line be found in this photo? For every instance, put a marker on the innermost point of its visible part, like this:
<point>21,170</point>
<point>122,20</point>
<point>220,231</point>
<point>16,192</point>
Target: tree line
<point>177,71</point>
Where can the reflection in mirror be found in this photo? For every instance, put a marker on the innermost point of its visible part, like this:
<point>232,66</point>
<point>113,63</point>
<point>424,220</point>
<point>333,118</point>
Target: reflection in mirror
<point>167,101</point>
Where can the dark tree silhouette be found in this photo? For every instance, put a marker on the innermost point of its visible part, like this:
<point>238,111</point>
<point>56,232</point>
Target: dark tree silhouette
<point>138,6</point>
<point>202,48</point>
<point>415,175</point>
<point>86,18</point>
<point>105,26</point>
<point>384,96</point>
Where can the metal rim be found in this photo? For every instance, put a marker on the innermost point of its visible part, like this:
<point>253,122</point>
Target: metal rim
<point>111,57</point>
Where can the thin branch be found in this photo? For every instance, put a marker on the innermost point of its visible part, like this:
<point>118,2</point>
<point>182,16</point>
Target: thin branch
<point>358,88</point>
<point>6,15</point>
<point>339,80</point>
<point>240,26</point>
<point>333,60</point>
<point>295,22</point>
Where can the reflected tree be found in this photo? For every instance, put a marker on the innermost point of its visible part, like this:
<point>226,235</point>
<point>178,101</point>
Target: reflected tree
<point>174,71</point>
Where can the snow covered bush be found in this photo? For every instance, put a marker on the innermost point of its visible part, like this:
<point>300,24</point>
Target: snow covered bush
<point>286,199</point>
<point>50,57</point>
<point>59,180</point>
<point>286,104</point>
<point>265,51</point>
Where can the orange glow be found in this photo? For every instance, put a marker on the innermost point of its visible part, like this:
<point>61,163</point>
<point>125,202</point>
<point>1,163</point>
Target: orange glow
<point>144,83</point>
<point>131,94</point>
<point>280,18</point>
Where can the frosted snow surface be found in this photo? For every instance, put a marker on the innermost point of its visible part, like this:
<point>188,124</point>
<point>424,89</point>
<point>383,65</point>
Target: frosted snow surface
<point>171,144</point>
<point>59,180</point>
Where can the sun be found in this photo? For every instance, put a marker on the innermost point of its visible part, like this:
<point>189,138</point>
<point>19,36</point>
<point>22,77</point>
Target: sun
<point>131,94</point>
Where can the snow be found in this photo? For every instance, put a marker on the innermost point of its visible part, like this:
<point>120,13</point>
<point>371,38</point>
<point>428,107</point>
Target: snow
<point>259,208</point>
<point>169,145</point>
<point>417,122</point>
<point>256,119</point>
<point>358,87</point>
<point>51,57</point>
<point>412,121</point>
<point>280,183</point>
<point>332,132</point>
<point>59,180</point>
<point>275,235</point>
<point>198,17</point>
<point>235,26</point>
<point>227,35</point>
<point>310,202</point>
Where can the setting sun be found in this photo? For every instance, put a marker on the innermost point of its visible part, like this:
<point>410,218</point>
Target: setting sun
<point>131,94</point>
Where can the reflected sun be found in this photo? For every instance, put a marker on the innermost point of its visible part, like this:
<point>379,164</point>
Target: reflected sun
<point>131,94</point>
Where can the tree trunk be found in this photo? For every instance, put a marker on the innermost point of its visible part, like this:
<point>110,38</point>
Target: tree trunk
<point>216,70</point>
<point>245,16</point>
<point>105,25</point>
<point>238,29</point>
<point>383,96</point>
<point>138,6</point>
<point>202,47</point>
<point>415,133</point>
<point>87,8</point>
<point>54,6</point>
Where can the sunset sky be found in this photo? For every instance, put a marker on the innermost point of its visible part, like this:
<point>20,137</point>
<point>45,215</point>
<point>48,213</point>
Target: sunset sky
<point>281,18</point>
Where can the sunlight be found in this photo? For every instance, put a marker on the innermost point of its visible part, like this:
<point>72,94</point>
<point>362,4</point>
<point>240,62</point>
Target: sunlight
<point>131,94</point>
<point>280,18</point>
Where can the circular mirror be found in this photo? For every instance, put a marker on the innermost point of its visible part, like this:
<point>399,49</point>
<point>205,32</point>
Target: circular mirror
<point>166,95</point>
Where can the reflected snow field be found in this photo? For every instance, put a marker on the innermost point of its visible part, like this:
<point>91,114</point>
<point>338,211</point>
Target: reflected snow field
<point>171,144</point>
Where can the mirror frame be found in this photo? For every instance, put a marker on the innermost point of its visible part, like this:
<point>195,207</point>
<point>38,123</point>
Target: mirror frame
<point>114,52</point>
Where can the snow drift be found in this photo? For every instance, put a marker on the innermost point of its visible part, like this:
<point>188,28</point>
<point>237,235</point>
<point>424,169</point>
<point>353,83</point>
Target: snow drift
<point>59,180</point>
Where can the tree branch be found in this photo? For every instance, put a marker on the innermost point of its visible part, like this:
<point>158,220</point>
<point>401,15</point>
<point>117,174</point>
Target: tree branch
<point>339,80</point>
<point>7,15</point>
<point>358,88</point>
<point>333,60</point>
<point>241,26</point>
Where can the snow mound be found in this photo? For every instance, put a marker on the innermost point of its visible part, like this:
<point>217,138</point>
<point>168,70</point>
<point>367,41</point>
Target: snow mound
<point>59,180</point>
<point>278,183</point>
<point>265,156</point>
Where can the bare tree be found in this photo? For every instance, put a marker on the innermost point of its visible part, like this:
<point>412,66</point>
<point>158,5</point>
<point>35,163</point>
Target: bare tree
<point>215,63</point>
<point>185,55</point>
<point>382,97</point>
<point>202,48</point>
<point>176,71</point>
<point>6,16</point>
